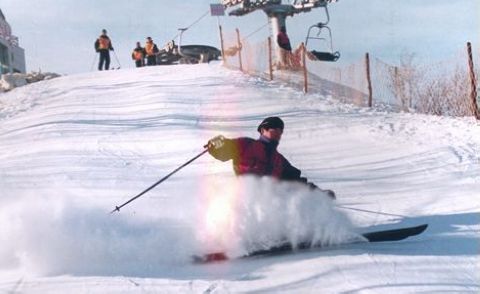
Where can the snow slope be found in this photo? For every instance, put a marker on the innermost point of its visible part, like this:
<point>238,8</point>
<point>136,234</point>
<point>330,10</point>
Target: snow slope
<point>74,147</point>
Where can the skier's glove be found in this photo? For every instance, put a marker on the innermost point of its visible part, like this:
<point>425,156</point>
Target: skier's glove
<point>216,143</point>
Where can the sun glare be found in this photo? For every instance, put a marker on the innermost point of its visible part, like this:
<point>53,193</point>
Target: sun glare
<point>219,215</point>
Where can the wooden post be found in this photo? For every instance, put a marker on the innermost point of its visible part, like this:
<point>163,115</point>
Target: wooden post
<point>369,80</point>
<point>396,81</point>
<point>473,82</point>
<point>270,62</point>
<point>304,65</point>
<point>222,45</point>
<point>239,44</point>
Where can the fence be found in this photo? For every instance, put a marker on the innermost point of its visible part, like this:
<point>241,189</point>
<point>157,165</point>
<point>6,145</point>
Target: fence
<point>442,88</point>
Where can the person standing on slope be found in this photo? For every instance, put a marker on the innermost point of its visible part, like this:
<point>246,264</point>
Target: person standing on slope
<point>286,49</point>
<point>259,157</point>
<point>138,55</point>
<point>151,51</point>
<point>283,40</point>
<point>103,45</point>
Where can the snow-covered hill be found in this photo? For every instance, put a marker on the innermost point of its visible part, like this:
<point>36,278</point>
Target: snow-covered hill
<point>74,147</point>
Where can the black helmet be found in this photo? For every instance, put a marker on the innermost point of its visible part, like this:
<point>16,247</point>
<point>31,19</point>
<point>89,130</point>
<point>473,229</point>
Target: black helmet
<point>272,122</point>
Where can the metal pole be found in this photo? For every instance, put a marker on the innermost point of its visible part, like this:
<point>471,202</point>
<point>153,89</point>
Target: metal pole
<point>277,20</point>
<point>117,208</point>
<point>94,60</point>
<point>370,211</point>
<point>116,57</point>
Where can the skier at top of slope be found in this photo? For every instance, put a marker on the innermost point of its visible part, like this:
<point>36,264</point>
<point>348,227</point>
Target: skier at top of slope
<point>259,157</point>
<point>103,45</point>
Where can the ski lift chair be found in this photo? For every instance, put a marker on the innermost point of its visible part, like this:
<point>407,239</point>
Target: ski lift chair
<point>323,55</point>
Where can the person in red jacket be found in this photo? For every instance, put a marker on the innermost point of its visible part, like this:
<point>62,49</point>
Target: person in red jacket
<point>283,40</point>
<point>286,49</point>
<point>259,157</point>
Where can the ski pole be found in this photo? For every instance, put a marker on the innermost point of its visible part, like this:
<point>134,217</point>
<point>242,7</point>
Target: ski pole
<point>370,211</point>
<point>116,57</point>
<point>93,63</point>
<point>117,208</point>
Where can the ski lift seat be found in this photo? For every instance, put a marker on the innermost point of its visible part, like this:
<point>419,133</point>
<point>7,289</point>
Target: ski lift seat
<point>326,56</point>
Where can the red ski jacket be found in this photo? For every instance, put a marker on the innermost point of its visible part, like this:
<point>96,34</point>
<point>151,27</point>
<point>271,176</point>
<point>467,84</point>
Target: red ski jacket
<point>283,41</point>
<point>258,157</point>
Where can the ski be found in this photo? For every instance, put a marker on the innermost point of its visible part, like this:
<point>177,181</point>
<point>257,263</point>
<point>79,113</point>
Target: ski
<point>372,237</point>
<point>395,234</point>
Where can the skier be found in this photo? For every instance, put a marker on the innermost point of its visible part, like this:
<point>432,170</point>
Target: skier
<point>151,51</point>
<point>103,45</point>
<point>259,157</point>
<point>138,55</point>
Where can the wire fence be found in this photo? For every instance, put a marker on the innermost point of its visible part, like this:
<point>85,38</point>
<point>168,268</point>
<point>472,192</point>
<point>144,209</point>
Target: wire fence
<point>439,88</point>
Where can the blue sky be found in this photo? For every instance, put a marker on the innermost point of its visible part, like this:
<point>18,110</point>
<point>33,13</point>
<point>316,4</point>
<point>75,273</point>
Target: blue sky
<point>58,35</point>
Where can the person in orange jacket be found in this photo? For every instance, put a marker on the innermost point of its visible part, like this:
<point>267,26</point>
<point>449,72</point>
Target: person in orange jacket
<point>151,51</point>
<point>138,55</point>
<point>103,45</point>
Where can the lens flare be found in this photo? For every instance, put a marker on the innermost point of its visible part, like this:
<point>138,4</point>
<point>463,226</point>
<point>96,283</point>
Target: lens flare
<point>220,219</point>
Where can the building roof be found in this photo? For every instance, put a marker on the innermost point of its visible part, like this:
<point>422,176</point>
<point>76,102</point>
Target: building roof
<point>2,16</point>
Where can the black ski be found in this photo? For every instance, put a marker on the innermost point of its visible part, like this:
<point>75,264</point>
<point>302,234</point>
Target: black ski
<point>377,236</point>
<point>395,234</point>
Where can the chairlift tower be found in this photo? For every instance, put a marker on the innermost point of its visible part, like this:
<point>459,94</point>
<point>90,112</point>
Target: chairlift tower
<point>276,12</point>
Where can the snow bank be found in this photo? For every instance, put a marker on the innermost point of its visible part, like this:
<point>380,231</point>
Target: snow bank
<point>14,80</point>
<point>11,81</point>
